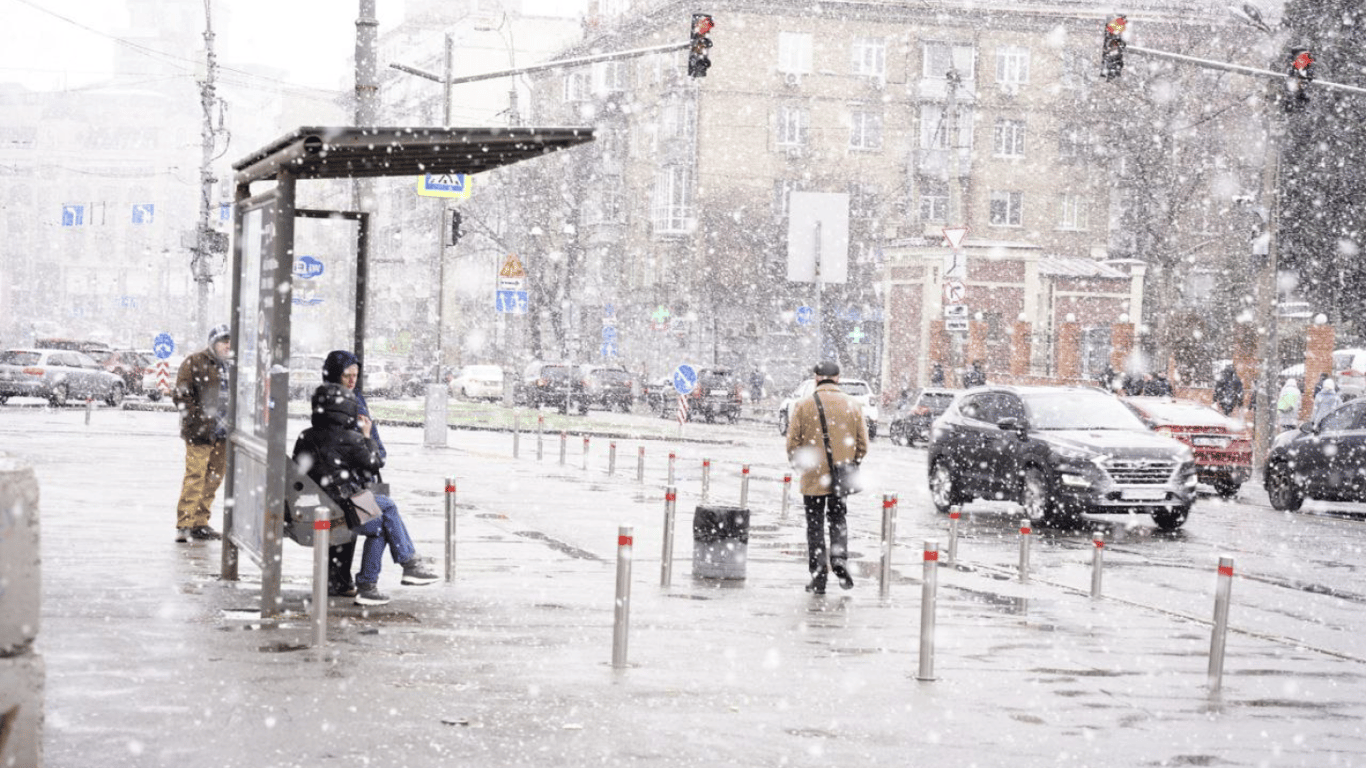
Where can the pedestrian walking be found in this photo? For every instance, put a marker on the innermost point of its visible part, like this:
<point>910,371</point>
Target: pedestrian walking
<point>1288,405</point>
<point>339,452</point>
<point>937,375</point>
<point>1228,391</point>
<point>1326,400</point>
<point>344,368</point>
<point>975,377</point>
<point>201,396</point>
<point>826,430</point>
<point>1319,386</point>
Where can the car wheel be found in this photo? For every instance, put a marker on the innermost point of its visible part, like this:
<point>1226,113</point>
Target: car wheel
<point>1036,495</point>
<point>1281,489</point>
<point>782,422</point>
<point>1226,488</point>
<point>154,395</point>
<point>943,486</point>
<point>4,399</point>
<point>115,398</point>
<point>1171,518</point>
<point>59,396</point>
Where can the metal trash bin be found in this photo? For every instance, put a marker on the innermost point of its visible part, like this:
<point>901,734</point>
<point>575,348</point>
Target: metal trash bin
<point>720,542</point>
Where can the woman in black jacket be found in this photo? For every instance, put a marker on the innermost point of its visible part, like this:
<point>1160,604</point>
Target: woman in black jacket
<point>340,455</point>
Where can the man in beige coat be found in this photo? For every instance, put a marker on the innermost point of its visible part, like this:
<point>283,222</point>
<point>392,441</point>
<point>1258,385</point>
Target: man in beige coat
<point>806,452</point>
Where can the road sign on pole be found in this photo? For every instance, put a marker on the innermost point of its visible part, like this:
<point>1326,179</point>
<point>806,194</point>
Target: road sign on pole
<point>954,292</point>
<point>162,346</point>
<point>685,379</point>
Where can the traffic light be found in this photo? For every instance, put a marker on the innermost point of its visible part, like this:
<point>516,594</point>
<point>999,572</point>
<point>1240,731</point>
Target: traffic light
<point>1112,48</point>
<point>1299,74</point>
<point>456,232</point>
<point>698,63</point>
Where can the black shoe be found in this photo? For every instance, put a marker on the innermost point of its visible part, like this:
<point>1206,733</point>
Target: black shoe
<point>182,535</point>
<point>369,594</point>
<point>842,573</point>
<point>204,533</point>
<point>341,590</point>
<point>817,586</point>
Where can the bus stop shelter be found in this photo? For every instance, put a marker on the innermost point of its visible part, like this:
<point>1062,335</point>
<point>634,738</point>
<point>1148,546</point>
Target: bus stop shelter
<point>259,466</point>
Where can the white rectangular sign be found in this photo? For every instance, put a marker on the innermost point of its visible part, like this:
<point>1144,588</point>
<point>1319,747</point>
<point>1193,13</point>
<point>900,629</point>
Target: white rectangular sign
<point>955,310</point>
<point>956,324</point>
<point>826,213</point>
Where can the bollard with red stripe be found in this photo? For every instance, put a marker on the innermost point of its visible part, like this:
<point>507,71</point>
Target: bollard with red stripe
<point>622,615</point>
<point>516,434</point>
<point>787,490</point>
<point>744,486</point>
<point>564,443</point>
<point>666,558</point>
<point>954,514</point>
<point>706,479</point>
<point>450,529</point>
<point>585,453</point>
<point>888,541</point>
<point>1097,562</point>
<point>1223,592</point>
<point>672,457</point>
<point>322,530</point>
<point>611,458</point>
<point>640,464</point>
<point>929,588</point>
<point>540,436</point>
<point>1025,535</point>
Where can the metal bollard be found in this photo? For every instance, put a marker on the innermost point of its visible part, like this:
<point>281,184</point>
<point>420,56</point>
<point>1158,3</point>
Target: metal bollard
<point>564,441</point>
<point>954,514</point>
<point>1222,592</point>
<point>89,408</point>
<point>450,529</point>
<point>744,486</point>
<point>516,434</point>
<point>612,458</point>
<point>322,528</point>
<point>666,558</point>
<point>787,488</point>
<point>888,540</point>
<point>1097,558</point>
<point>540,436</point>
<point>672,456</point>
<point>929,586</point>
<point>640,465</point>
<point>585,453</point>
<point>706,479</point>
<point>1025,531</point>
<point>622,616</point>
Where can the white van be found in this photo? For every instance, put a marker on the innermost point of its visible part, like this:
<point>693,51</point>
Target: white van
<point>1349,369</point>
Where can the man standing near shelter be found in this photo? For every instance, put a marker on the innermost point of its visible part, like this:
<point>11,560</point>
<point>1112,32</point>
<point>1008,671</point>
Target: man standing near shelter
<point>842,421</point>
<point>201,395</point>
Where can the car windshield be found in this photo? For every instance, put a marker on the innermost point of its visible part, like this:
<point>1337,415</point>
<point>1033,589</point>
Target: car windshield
<point>855,388</point>
<point>555,371</point>
<point>608,374</point>
<point>937,401</point>
<point>18,357</point>
<point>1079,410</point>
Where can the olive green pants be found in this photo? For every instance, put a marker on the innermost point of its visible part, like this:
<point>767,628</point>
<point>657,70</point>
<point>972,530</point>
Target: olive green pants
<point>204,467</point>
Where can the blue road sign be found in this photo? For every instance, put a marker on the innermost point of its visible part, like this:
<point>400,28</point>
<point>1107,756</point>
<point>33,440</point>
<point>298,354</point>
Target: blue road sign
<point>609,333</point>
<point>804,315</point>
<point>511,302</point>
<point>73,215</point>
<point>308,267</point>
<point>163,346</point>
<point>143,213</point>
<point>685,379</point>
<point>609,349</point>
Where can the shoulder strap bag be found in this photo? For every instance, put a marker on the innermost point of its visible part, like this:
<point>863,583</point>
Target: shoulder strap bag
<point>844,477</point>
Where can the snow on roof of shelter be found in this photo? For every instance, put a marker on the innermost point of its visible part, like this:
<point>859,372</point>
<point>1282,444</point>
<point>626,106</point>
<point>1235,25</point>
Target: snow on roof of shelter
<point>1065,266</point>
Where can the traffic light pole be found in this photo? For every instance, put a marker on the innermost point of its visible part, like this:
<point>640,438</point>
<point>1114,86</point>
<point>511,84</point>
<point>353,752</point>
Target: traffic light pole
<point>1227,67</point>
<point>561,64</point>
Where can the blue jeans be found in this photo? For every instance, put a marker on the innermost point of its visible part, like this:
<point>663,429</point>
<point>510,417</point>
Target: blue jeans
<point>388,529</point>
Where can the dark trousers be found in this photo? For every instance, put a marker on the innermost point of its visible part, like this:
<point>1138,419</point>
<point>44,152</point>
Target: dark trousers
<point>818,510</point>
<point>339,565</point>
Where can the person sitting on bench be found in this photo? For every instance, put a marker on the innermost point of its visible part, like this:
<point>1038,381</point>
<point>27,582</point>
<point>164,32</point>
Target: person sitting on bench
<point>338,453</point>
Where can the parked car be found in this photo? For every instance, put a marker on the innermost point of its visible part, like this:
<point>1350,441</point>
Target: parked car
<point>478,382</point>
<point>858,389</point>
<point>127,364</point>
<point>1322,460</point>
<point>1349,368</point>
<point>912,421</point>
<point>152,384</point>
<point>609,386</point>
<point>414,379</point>
<point>59,375</point>
<point>305,374</point>
<point>660,396</point>
<point>1059,452</point>
<point>95,349</point>
<point>558,385</point>
<point>1222,446</point>
<point>716,396</point>
<point>381,378</point>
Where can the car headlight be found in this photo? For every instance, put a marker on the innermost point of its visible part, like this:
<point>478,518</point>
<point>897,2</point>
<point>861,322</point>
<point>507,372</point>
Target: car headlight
<point>1075,455</point>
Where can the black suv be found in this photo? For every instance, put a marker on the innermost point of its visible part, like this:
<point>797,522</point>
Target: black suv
<point>716,396</point>
<point>1323,460</point>
<point>1058,452</point>
<point>559,385</point>
<point>913,419</point>
<point>609,387</point>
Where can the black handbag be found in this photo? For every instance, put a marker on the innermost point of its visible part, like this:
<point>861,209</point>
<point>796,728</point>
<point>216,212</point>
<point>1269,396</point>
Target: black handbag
<point>845,478</point>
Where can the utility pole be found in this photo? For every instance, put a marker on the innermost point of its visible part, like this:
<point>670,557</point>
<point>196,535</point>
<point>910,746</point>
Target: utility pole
<point>366,116</point>
<point>201,261</point>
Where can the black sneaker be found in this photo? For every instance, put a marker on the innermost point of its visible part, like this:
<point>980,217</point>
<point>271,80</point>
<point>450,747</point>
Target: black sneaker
<point>182,535</point>
<point>817,586</point>
<point>842,573</point>
<point>342,590</point>
<point>204,533</point>
<point>369,594</point>
<point>416,572</point>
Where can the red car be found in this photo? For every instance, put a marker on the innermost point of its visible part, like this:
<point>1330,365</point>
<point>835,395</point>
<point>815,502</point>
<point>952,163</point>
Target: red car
<point>1222,446</point>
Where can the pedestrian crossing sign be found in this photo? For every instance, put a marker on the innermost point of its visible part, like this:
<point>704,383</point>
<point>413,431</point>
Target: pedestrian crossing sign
<point>456,185</point>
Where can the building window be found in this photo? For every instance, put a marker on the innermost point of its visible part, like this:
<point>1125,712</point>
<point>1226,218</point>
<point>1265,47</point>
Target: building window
<point>1012,65</point>
<point>934,127</point>
<point>870,57</point>
<point>863,200</point>
<point>1072,143</point>
<point>1072,212</point>
<point>792,126</point>
<point>610,76</point>
<point>578,86</point>
<point>73,215</point>
<point>1008,138</point>
<point>672,203</point>
<point>939,58</point>
<point>934,202</point>
<point>866,131</point>
<point>794,53</point>
<point>1006,208</point>
<point>677,119</point>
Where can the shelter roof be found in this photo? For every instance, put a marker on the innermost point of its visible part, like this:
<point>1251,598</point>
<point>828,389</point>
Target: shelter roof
<point>1066,266</point>
<point>339,152</point>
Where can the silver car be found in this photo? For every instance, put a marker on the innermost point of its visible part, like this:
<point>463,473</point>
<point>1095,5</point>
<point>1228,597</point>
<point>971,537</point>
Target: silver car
<point>59,375</point>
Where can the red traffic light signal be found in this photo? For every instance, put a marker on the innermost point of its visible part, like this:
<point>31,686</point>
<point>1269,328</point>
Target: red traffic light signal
<point>1112,48</point>
<point>698,60</point>
<point>1299,74</point>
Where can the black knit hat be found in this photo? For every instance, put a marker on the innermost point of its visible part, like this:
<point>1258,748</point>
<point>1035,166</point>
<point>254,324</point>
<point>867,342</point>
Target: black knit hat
<point>826,369</point>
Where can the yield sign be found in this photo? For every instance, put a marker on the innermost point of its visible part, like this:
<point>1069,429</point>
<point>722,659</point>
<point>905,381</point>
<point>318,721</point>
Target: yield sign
<point>955,236</point>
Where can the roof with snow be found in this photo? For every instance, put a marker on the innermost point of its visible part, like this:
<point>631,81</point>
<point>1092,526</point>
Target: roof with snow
<point>1062,266</point>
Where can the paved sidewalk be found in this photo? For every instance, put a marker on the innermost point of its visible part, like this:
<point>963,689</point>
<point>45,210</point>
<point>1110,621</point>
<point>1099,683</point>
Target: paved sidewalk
<point>152,661</point>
